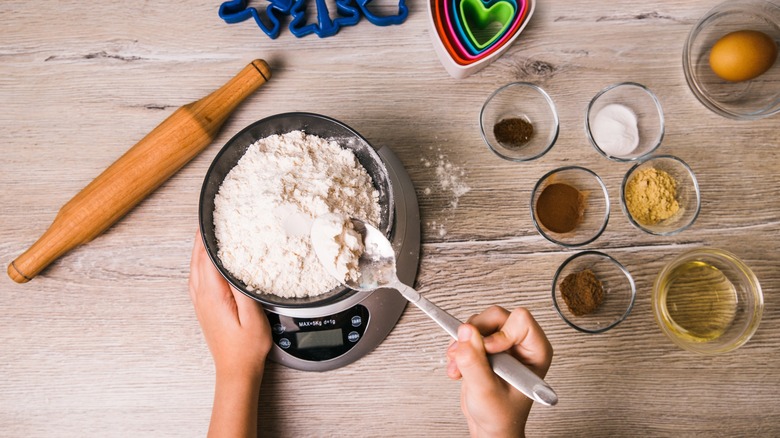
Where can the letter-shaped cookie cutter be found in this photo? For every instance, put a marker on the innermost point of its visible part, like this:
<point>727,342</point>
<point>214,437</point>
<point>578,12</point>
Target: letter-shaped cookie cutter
<point>348,11</point>
<point>235,11</point>
<point>386,20</point>
<point>348,15</point>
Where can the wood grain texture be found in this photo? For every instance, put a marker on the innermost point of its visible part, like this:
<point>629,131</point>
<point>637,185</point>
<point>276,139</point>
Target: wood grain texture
<point>104,342</point>
<point>138,172</point>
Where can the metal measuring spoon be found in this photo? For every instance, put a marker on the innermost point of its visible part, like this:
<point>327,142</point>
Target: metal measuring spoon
<point>378,270</point>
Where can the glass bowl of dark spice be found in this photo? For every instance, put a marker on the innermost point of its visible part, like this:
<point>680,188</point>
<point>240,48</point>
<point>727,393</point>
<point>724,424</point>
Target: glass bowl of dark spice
<point>519,122</point>
<point>660,195</point>
<point>593,292</point>
<point>570,206</point>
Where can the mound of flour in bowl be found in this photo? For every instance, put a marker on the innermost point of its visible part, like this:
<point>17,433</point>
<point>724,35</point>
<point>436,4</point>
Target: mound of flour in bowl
<point>267,202</point>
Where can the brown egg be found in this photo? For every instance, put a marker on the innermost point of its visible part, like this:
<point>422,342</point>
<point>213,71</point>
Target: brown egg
<point>743,55</point>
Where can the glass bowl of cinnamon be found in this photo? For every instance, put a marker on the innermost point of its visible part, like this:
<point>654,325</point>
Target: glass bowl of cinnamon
<point>519,122</point>
<point>592,292</point>
<point>570,206</point>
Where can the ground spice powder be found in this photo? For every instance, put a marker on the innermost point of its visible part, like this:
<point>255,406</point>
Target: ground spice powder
<point>582,292</point>
<point>513,132</point>
<point>651,196</point>
<point>560,207</point>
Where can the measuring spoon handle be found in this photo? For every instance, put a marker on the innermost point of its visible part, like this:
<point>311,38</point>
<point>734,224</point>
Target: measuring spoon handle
<point>504,365</point>
<point>448,322</point>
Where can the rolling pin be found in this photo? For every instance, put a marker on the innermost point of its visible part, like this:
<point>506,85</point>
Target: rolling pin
<point>137,173</point>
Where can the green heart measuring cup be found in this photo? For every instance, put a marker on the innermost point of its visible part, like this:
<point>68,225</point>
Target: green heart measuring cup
<point>484,24</point>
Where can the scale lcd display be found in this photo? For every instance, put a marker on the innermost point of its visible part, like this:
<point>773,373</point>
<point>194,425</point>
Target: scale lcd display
<point>319,339</point>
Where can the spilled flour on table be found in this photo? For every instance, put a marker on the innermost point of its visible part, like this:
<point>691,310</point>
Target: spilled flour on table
<point>450,179</point>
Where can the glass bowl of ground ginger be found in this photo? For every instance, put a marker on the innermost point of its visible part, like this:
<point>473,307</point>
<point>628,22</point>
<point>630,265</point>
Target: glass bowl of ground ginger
<point>519,122</point>
<point>660,195</point>
<point>570,206</point>
<point>592,292</point>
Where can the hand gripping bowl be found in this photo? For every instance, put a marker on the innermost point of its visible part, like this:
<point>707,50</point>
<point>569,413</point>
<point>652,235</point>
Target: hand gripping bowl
<point>313,124</point>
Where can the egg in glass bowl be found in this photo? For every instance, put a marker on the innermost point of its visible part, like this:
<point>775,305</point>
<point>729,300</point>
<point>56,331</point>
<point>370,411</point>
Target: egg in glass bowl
<point>730,59</point>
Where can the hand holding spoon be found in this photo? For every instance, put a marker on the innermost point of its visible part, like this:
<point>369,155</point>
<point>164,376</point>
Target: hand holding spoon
<point>377,269</point>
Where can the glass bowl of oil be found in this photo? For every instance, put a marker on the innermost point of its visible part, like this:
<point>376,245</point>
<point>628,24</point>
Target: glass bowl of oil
<point>708,301</point>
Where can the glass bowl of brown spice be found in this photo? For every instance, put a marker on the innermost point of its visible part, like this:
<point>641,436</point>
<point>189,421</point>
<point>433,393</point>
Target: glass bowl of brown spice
<point>660,195</point>
<point>570,206</point>
<point>519,122</point>
<point>592,292</point>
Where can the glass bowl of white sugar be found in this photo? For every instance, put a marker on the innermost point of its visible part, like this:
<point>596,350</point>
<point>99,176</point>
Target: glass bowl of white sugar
<point>625,122</point>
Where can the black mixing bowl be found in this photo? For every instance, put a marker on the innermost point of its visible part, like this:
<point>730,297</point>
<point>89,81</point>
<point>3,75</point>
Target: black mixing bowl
<point>313,124</point>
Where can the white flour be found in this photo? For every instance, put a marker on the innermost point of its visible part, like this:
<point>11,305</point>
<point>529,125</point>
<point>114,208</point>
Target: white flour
<point>450,178</point>
<point>265,207</point>
<point>338,246</point>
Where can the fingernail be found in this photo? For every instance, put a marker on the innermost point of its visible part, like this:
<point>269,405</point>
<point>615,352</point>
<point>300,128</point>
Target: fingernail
<point>464,333</point>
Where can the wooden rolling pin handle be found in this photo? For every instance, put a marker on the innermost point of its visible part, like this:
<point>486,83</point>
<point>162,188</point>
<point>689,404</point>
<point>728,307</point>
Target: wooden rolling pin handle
<point>137,173</point>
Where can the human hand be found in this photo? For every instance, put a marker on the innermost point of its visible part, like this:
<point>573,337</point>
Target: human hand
<point>239,338</point>
<point>235,326</point>
<point>492,407</point>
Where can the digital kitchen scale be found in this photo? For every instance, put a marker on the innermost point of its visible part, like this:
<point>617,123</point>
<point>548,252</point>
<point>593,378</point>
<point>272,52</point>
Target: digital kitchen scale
<point>322,338</point>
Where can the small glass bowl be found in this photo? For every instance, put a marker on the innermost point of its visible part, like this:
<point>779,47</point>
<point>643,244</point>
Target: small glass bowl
<point>649,119</point>
<point>595,214</point>
<point>688,195</point>
<point>707,301</point>
<point>526,101</point>
<point>747,100</point>
<point>618,285</point>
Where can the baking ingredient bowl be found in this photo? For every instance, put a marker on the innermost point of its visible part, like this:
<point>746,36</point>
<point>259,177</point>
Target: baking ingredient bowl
<point>519,122</point>
<point>236,147</point>
<point>660,195</point>
<point>569,292</point>
<point>746,100</point>
<point>707,301</point>
<point>625,122</point>
<point>570,206</point>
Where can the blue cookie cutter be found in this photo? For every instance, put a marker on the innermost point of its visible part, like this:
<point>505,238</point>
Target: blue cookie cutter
<point>384,20</point>
<point>349,12</point>
<point>325,26</point>
<point>235,11</point>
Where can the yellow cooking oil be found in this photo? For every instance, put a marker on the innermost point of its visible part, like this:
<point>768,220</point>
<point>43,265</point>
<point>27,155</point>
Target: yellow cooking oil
<point>698,301</point>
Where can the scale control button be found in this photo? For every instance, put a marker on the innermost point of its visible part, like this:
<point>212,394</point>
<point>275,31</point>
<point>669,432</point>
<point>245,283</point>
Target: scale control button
<point>279,328</point>
<point>356,321</point>
<point>353,336</point>
<point>284,343</point>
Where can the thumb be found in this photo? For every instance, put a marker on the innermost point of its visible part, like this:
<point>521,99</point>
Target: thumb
<point>472,361</point>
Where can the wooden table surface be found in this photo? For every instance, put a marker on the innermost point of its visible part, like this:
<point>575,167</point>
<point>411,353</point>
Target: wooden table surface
<point>105,341</point>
